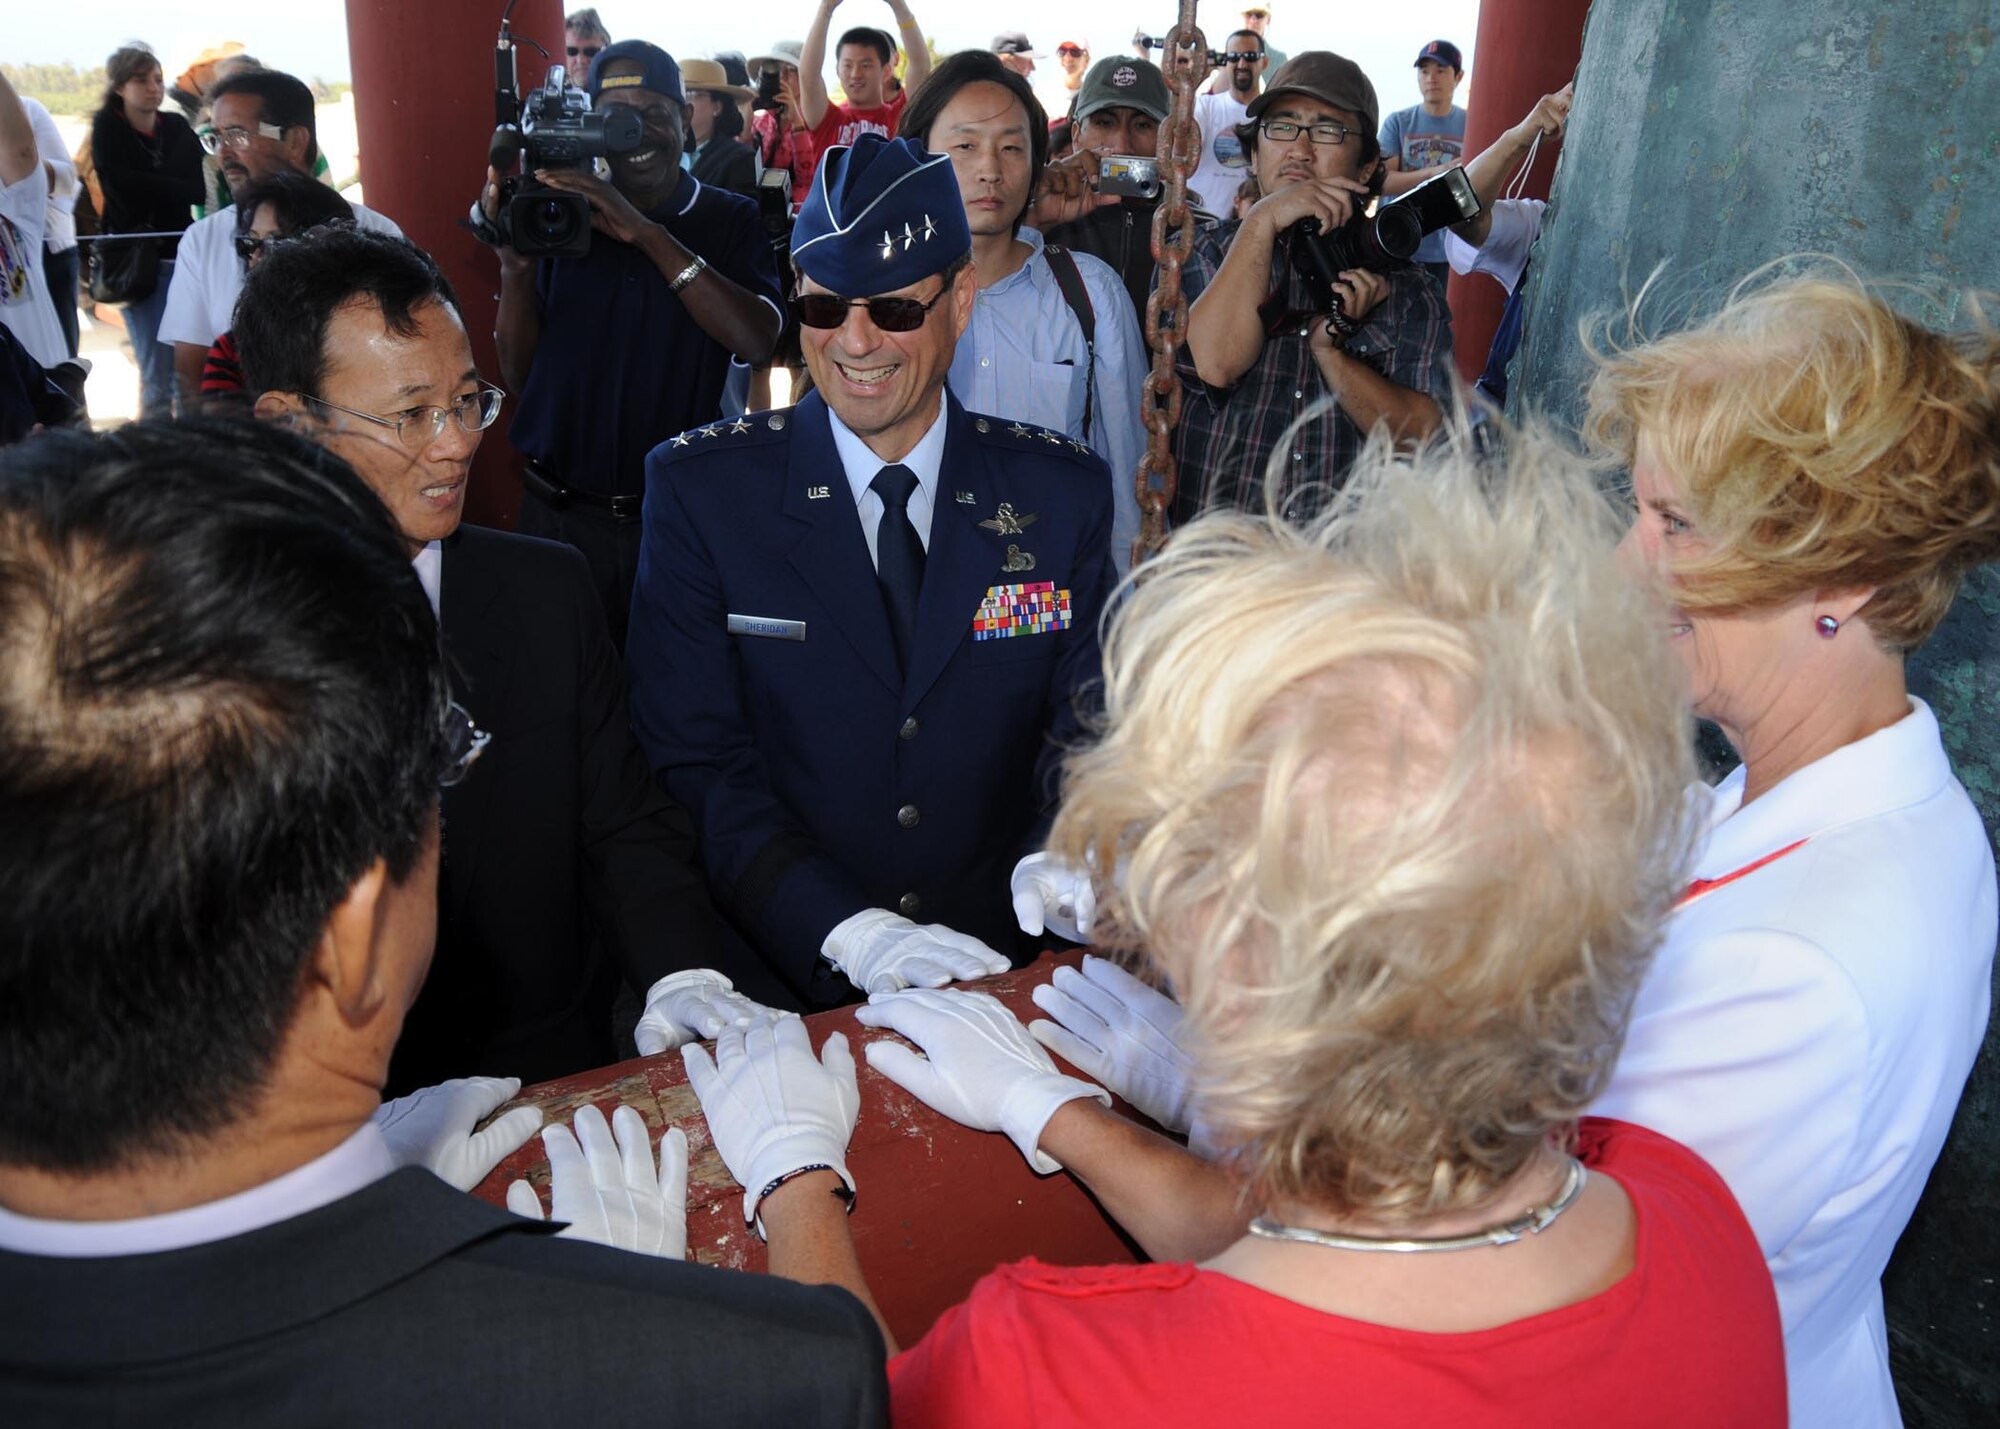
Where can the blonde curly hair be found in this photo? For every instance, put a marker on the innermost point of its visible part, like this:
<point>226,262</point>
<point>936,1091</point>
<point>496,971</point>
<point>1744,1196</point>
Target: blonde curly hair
<point>1396,803</point>
<point>1820,440</point>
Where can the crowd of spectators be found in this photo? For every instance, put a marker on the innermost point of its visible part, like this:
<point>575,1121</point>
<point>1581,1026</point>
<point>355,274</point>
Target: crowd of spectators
<point>1494,1066</point>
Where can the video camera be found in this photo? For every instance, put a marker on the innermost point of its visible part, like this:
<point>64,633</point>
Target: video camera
<point>553,128</point>
<point>1382,241</point>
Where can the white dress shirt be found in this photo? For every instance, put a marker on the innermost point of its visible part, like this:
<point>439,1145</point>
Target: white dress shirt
<point>358,1162</point>
<point>430,570</point>
<point>1809,1026</point>
<point>862,467</point>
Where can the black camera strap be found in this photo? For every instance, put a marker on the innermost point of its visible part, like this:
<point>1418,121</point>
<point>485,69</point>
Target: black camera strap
<point>1070,280</point>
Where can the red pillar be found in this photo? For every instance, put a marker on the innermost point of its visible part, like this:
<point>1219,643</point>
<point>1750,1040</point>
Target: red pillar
<point>1526,49</point>
<point>423,99</point>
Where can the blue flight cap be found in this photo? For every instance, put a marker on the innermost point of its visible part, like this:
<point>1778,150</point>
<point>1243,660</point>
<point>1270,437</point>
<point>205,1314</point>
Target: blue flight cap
<point>661,75</point>
<point>881,215</point>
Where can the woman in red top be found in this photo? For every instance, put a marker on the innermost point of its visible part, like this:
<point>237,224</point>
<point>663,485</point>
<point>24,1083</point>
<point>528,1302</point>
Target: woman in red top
<point>1396,806</point>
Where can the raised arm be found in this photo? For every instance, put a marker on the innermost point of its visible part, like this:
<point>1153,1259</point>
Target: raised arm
<point>1489,168</point>
<point>812,63</point>
<point>915,46</point>
<point>18,155</point>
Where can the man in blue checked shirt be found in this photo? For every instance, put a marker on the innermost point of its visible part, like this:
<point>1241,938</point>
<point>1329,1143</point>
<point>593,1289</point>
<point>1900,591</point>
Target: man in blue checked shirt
<point>863,626</point>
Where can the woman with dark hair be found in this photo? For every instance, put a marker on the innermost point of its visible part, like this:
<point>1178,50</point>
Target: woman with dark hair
<point>149,164</point>
<point>269,209</point>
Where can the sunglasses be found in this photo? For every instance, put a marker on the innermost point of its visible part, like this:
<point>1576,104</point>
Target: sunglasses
<point>248,246</point>
<point>1068,50</point>
<point>589,52</point>
<point>825,310</point>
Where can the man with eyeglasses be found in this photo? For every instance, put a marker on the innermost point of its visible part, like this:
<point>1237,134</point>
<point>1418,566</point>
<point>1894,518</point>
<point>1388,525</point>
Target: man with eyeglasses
<point>564,865</point>
<point>263,123</point>
<point>1261,351</point>
<point>584,39</point>
<point>221,753</point>
<point>1224,156</point>
<point>613,352</point>
<point>863,626</point>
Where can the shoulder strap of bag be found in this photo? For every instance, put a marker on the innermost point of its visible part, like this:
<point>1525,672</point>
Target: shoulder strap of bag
<point>1063,265</point>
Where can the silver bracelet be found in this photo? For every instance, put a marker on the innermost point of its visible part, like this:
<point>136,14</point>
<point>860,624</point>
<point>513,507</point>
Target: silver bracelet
<point>688,274</point>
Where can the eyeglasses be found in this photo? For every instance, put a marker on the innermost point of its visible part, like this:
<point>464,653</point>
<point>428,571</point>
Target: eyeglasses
<point>589,52</point>
<point>248,245</point>
<point>236,137</point>
<point>420,426</point>
<point>1286,130</point>
<point>1068,50</point>
<point>1242,57</point>
<point>464,743</point>
<point>889,314</point>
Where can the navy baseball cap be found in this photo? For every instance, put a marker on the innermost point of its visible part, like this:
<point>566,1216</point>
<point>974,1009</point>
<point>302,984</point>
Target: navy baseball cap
<point>881,215</point>
<point>661,74</point>
<point>1443,51</point>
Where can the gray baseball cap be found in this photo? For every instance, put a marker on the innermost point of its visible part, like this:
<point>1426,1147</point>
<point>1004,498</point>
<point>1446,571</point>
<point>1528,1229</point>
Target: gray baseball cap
<point>1325,76</point>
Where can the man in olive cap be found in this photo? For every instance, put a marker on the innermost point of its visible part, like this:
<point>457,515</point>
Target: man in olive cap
<point>1261,350</point>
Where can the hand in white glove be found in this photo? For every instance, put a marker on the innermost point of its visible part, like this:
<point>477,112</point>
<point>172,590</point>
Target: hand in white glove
<point>432,1127</point>
<point>881,951</point>
<point>772,1106</point>
<point>983,1068</point>
<point>1120,1031</point>
<point>611,1193</point>
<point>1050,893</point>
<point>692,1005</point>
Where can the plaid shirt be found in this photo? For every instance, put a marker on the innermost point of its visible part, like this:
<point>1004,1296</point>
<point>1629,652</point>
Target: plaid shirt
<point>1227,434</point>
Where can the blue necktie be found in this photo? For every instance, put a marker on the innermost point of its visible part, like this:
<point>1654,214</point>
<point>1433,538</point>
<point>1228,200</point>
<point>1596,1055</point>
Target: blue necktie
<point>899,556</point>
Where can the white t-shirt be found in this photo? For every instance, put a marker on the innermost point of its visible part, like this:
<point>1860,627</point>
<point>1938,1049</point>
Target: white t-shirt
<point>24,288</point>
<point>60,234</point>
<point>208,276</point>
<point>1225,164</point>
<point>1808,1028</point>
<point>1504,254</point>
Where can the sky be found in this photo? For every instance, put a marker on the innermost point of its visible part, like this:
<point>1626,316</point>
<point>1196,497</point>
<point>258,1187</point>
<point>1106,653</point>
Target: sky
<point>309,37</point>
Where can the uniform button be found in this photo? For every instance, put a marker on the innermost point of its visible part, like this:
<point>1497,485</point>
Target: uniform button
<point>909,905</point>
<point>909,729</point>
<point>907,816</point>
<point>1298,396</point>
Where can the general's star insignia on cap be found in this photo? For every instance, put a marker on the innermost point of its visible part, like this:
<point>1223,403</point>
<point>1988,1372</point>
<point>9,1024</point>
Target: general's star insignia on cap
<point>888,245</point>
<point>930,228</point>
<point>909,238</point>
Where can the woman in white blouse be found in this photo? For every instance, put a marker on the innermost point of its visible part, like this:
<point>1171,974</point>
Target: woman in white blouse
<point>1813,474</point>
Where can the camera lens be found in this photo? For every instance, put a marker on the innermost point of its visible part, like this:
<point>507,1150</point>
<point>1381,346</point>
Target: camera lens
<point>553,222</point>
<point>1399,230</point>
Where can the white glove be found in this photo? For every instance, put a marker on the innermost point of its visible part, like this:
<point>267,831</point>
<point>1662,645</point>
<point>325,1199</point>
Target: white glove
<point>612,1194</point>
<point>881,951</point>
<point>1051,893</point>
<point>692,1005</point>
<point>773,1107</point>
<point>1120,1031</point>
<point>983,1070</point>
<point>432,1127</point>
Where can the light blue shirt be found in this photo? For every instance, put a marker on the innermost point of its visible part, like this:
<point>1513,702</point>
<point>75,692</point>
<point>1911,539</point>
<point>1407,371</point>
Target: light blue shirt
<point>862,467</point>
<point>1024,358</point>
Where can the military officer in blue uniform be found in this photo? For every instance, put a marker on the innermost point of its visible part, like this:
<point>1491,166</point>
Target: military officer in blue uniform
<point>863,627</point>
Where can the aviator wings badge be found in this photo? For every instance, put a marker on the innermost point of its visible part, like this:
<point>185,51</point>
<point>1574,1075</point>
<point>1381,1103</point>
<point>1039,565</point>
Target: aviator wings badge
<point>1007,523</point>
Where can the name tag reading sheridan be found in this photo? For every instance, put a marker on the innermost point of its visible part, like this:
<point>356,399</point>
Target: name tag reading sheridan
<point>768,626</point>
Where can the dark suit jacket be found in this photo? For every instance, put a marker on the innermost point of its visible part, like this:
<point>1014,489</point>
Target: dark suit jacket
<point>564,863</point>
<point>822,779</point>
<point>727,164</point>
<point>411,1303</point>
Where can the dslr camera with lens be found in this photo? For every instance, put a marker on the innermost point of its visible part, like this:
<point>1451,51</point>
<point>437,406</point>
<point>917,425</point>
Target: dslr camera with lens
<point>1382,241</point>
<point>554,127</point>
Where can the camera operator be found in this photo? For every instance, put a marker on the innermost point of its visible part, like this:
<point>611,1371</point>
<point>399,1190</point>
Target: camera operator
<point>1261,351</point>
<point>780,132</point>
<point>1119,110</point>
<point>678,278</point>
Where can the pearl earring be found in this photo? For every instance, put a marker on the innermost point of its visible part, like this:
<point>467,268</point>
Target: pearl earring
<point>1827,626</point>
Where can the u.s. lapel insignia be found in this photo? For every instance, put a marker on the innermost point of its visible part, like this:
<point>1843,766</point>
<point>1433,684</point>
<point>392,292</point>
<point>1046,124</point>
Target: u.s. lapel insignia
<point>1018,559</point>
<point>818,493</point>
<point>964,497</point>
<point>1007,522</point>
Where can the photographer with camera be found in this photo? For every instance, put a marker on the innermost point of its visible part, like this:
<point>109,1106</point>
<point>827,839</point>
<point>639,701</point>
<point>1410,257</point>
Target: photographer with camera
<point>677,281</point>
<point>1264,345</point>
<point>782,137</point>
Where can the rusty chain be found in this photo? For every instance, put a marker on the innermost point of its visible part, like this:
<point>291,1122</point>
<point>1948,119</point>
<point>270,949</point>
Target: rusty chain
<point>1184,61</point>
